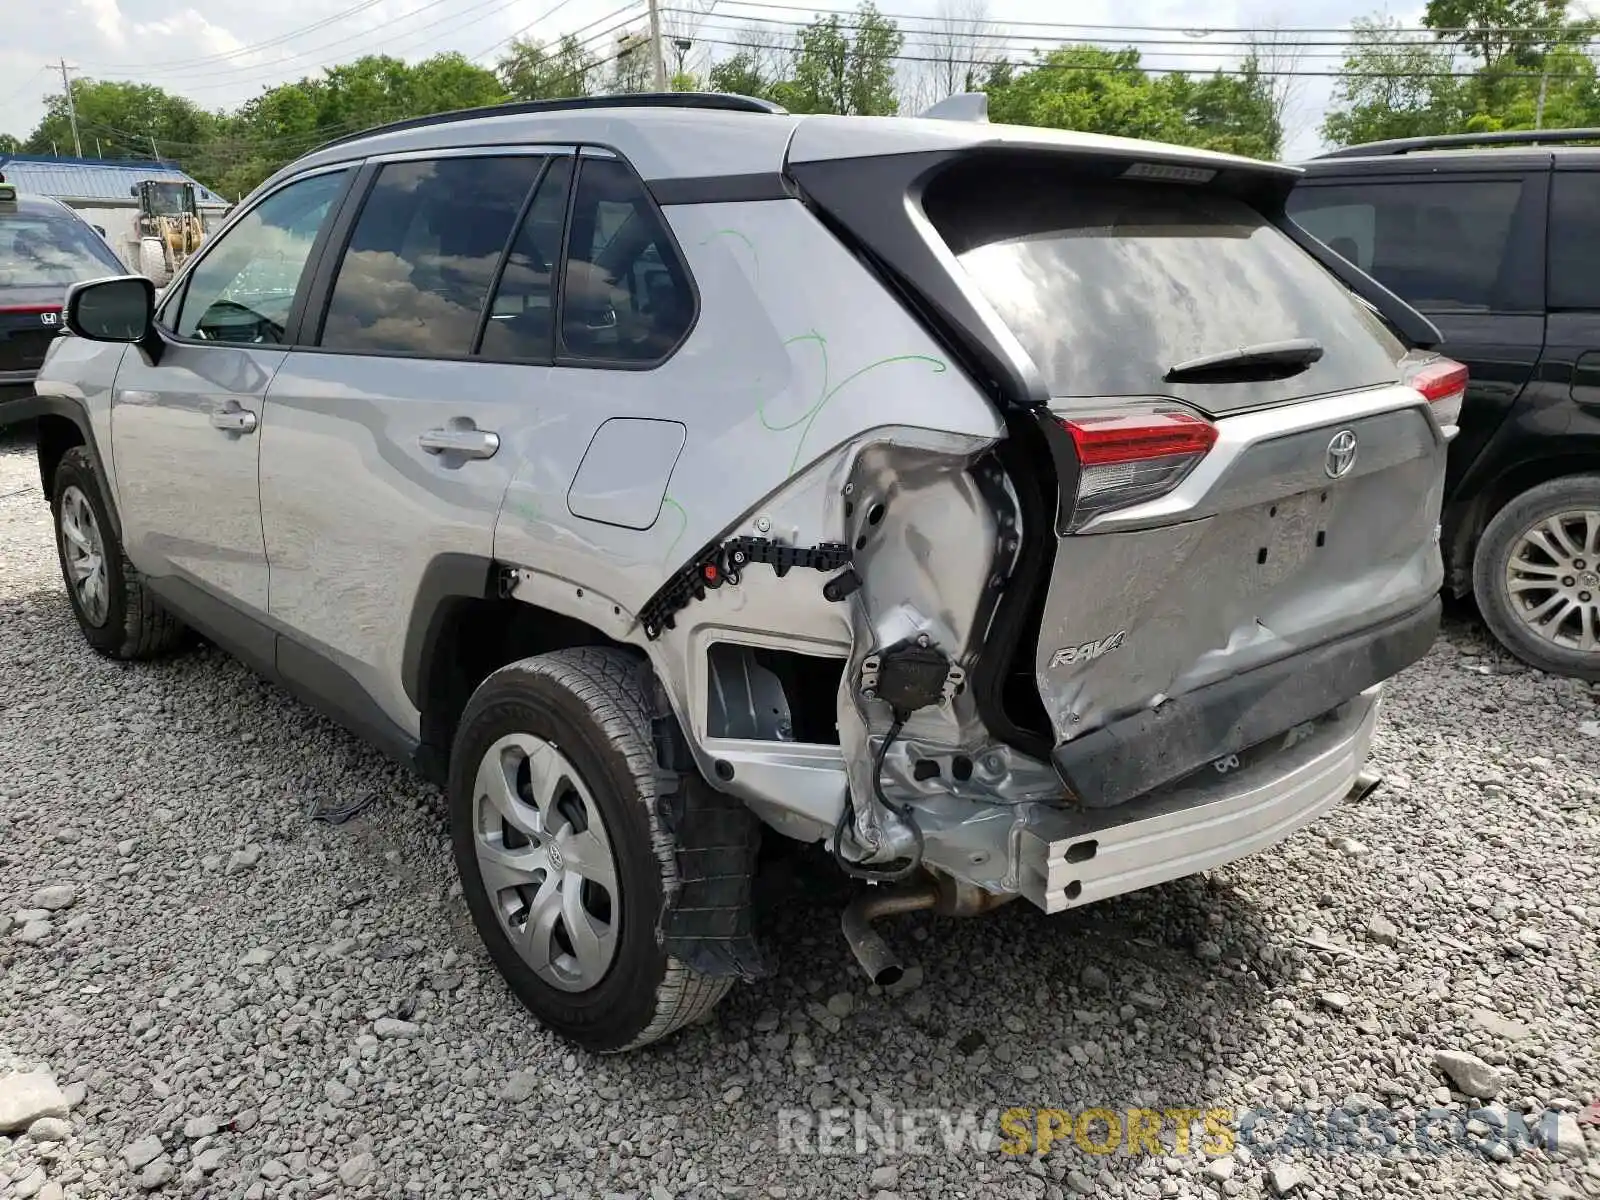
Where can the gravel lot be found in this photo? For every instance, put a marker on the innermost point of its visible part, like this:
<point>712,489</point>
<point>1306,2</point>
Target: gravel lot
<point>216,987</point>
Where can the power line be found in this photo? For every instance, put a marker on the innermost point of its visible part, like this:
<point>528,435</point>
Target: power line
<point>1190,30</point>
<point>343,14</point>
<point>1142,69</point>
<point>616,12</point>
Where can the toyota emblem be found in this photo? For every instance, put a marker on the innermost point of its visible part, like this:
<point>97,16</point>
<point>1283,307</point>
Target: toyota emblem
<point>49,318</point>
<point>1341,454</point>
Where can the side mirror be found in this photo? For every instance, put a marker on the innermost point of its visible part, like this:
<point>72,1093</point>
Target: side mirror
<point>119,309</point>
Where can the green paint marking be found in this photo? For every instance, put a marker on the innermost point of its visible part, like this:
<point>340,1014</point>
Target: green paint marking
<point>808,418</point>
<point>683,528</point>
<point>755,257</point>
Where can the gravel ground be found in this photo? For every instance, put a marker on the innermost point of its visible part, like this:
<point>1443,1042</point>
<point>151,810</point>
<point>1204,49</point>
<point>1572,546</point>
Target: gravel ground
<point>237,1002</point>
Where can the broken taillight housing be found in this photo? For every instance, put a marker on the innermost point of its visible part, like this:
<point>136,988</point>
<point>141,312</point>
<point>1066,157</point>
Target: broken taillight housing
<point>1442,382</point>
<point>1127,456</point>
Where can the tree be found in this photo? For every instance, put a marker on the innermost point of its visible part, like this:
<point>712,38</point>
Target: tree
<point>1235,113</point>
<point>1395,85</point>
<point>958,49</point>
<point>844,68</point>
<point>9,144</point>
<point>1087,89</point>
<point>1497,30</point>
<point>763,60</point>
<point>128,120</point>
<point>529,70</point>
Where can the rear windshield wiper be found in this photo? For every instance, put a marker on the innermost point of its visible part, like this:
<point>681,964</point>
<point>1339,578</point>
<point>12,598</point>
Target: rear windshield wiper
<point>1267,360</point>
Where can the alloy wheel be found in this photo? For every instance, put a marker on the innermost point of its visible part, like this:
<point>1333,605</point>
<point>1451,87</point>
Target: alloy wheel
<point>83,551</point>
<point>1553,579</point>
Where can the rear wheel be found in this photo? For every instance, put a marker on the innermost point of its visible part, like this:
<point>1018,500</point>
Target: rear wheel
<point>563,858</point>
<point>117,615</point>
<point>1536,575</point>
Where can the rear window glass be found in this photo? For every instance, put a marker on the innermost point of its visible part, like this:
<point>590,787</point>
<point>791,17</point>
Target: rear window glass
<point>41,248</point>
<point>1575,240</point>
<point>1108,285</point>
<point>1440,245</point>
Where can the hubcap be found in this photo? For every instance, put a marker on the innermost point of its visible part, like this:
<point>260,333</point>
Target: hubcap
<point>1553,580</point>
<point>83,551</point>
<point>546,861</point>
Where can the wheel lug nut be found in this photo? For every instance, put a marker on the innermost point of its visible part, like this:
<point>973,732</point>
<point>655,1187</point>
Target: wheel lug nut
<point>1568,581</point>
<point>1583,597</point>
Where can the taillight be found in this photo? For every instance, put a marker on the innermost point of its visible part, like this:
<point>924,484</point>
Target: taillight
<point>1443,384</point>
<point>1128,456</point>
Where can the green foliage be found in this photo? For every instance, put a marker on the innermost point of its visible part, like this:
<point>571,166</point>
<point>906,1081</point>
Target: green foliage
<point>530,70</point>
<point>1395,85</point>
<point>844,67</point>
<point>1106,91</point>
<point>122,118</point>
<point>1404,85</point>
<point>9,144</point>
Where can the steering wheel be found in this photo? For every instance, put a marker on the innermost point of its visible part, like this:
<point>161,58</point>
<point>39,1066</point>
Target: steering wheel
<point>221,319</point>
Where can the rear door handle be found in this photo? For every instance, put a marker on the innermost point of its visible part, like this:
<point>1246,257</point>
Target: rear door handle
<point>466,442</point>
<point>234,419</point>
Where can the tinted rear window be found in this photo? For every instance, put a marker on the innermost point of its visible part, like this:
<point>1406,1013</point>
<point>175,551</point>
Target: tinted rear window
<point>1441,245</point>
<point>40,247</point>
<point>1108,285</point>
<point>1575,240</point>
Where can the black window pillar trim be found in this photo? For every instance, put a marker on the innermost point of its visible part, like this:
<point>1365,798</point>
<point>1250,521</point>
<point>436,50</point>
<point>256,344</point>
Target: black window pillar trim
<point>332,243</point>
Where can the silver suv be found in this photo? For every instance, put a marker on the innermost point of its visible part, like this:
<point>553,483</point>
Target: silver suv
<point>1012,513</point>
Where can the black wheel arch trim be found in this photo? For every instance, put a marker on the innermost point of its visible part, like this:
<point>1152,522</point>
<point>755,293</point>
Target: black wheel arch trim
<point>447,579</point>
<point>33,407</point>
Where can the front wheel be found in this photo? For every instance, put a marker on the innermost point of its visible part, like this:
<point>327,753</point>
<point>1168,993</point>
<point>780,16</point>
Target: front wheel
<point>563,857</point>
<point>1536,576</point>
<point>116,613</point>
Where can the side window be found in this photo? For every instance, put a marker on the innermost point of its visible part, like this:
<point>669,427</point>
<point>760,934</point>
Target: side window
<point>243,288</point>
<point>625,295</point>
<point>522,316</point>
<point>423,254</point>
<point>1575,240</point>
<point>1440,245</point>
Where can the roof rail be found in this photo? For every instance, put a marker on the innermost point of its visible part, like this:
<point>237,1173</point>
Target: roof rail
<point>723,101</point>
<point>1449,141</point>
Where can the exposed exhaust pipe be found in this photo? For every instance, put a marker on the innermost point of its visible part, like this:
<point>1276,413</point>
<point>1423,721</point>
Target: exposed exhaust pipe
<point>871,951</point>
<point>1366,783</point>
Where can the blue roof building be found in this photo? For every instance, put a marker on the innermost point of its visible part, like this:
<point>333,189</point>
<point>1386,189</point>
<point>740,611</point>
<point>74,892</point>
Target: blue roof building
<point>97,182</point>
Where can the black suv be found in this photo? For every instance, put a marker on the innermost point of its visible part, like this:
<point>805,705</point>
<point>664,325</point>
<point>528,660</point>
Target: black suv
<point>1496,238</point>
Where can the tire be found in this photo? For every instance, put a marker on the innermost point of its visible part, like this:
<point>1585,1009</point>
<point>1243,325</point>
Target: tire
<point>119,618</point>
<point>589,708</point>
<point>153,261</point>
<point>1571,646</point>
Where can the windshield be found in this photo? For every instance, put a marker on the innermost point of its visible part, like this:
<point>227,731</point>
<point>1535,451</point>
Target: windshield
<point>168,199</point>
<point>43,248</point>
<point>1109,284</point>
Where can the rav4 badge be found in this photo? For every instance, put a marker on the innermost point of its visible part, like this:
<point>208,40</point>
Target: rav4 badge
<point>1088,652</point>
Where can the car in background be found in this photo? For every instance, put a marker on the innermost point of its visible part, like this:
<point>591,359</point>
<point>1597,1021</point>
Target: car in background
<point>45,247</point>
<point>1496,239</point>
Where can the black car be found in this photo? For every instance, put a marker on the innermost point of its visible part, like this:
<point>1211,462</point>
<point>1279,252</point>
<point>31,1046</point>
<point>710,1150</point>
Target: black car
<point>44,248</point>
<point>1496,238</point>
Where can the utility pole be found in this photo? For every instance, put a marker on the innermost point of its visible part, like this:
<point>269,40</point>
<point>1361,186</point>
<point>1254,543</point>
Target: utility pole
<point>72,109</point>
<point>1538,114</point>
<point>658,62</point>
<point>154,153</point>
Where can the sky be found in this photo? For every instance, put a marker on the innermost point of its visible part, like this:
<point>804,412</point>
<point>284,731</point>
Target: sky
<point>221,52</point>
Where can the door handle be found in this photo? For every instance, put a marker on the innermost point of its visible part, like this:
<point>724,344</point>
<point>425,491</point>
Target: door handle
<point>467,442</point>
<point>234,419</point>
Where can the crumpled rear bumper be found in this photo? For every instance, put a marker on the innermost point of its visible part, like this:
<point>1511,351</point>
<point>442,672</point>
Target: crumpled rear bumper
<point>1068,858</point>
